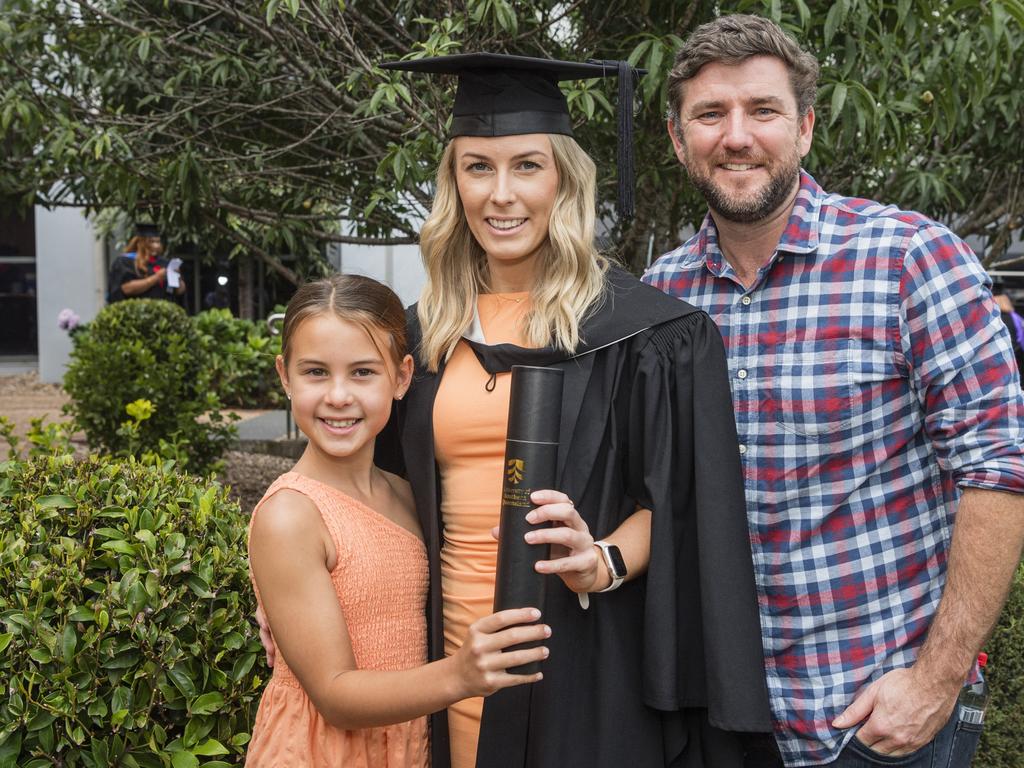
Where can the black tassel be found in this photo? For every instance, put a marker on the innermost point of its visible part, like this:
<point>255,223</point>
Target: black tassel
<point>628,78</point>
<point>627,168</point>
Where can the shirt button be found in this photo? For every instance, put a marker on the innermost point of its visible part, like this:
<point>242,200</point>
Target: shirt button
<point>746,300</point>
<point>743,449</point>
<point>742,373</point>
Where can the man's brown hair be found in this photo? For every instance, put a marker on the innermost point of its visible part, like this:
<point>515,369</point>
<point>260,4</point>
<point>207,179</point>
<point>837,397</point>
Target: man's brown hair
<point>734,39</point>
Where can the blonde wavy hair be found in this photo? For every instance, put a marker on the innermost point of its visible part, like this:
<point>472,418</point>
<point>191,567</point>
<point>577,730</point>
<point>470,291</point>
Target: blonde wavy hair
<point>571,271</point>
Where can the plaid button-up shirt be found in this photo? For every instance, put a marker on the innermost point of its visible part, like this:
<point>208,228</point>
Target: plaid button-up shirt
<point>872,378</point>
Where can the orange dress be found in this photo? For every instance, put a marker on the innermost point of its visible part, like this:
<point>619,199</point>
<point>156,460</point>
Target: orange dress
<point>470,423</point>
<point>381,582</point>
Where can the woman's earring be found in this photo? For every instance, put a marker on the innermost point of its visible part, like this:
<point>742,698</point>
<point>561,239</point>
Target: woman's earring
<point>288,395</point>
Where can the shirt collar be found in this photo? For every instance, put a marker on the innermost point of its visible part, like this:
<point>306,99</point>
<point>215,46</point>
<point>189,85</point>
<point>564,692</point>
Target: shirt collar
<point>800,235</point>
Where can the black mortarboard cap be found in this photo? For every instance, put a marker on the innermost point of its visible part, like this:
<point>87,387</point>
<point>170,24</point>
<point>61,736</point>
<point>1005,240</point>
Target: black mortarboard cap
<point>147,230</point>
<point>504,95</point>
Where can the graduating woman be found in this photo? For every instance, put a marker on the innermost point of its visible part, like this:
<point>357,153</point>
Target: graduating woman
<point>664,667</point>
<point>141,271</point>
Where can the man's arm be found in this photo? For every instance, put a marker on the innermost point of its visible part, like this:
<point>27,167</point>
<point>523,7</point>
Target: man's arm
<point>960,363</point>
<point>904,709</point>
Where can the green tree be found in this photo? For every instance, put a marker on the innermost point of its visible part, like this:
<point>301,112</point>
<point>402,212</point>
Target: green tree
<point>262,126</point>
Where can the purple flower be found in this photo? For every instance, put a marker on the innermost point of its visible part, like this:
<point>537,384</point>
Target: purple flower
<point>67,320</point>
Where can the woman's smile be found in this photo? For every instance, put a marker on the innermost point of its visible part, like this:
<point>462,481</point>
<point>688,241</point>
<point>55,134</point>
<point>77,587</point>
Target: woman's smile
<point>506,226</point>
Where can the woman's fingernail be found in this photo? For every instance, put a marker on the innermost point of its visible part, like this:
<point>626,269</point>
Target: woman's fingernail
<point>534,613</point>
<point>530,536</point>
<point>531,517</point>
<point>546,652</point>
<point>547,631</point>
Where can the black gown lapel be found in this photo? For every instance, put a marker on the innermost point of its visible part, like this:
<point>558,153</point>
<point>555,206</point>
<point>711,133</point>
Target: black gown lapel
<point>421,472</point>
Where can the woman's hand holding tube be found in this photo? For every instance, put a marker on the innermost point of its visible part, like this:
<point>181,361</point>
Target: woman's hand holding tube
<point>574,558</point>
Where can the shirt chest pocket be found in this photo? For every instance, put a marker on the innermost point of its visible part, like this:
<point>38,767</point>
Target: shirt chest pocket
<point>825,388</point>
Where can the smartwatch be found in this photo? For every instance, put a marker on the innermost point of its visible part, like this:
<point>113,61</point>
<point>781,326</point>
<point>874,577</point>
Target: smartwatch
<point>616,565</point>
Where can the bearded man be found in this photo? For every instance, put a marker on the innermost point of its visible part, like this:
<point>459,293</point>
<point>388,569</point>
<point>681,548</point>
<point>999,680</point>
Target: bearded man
<point>878,410</point>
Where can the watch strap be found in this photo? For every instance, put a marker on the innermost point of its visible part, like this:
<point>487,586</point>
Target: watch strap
<point>617,578</point>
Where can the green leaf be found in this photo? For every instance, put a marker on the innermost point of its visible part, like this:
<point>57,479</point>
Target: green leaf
<point>242,666</point>
<point>10,748</point>
<point>206,704</point>
<point>98,708</point>
<point>58,501</point>
<point>272,6</point>
<point>654,65</point>
<point>804,11</point>
<point>838,101</point>
<point>182,681</point>
<point>639,51</point>
<point>5,640</point>
<point>211,747</point>
<point>184,759</point>
<point>68,643</point>
<point>82,613</point>
<point>121,547</point>
<point>836,15</point>
<point>40,721</point>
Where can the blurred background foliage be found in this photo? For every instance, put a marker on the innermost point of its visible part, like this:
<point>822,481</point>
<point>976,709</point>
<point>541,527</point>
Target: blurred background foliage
<point>267,126</point>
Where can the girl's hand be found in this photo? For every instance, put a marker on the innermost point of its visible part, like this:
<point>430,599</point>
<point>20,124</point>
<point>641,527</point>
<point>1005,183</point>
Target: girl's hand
<point>481,662</point>
<point>266,638</point>
<point>573,555</point>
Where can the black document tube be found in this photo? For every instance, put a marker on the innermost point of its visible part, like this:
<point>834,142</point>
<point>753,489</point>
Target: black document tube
<point>531,457</point>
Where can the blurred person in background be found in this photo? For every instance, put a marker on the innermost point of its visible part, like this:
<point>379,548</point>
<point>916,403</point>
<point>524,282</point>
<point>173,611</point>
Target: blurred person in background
<point>141,271</point>
<point>1014,322</point>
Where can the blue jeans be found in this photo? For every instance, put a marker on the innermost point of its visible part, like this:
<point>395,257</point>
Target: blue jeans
<point>952,747</point>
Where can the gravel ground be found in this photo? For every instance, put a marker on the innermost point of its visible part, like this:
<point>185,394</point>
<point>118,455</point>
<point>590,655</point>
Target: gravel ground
<point>249,474</point>
<point>23,397</point>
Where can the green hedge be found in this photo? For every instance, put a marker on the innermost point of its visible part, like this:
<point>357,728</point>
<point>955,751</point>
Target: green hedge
<point>139,382</point>
<point>126,634</point>
<point>1002,740</point>
<point>240,359</point>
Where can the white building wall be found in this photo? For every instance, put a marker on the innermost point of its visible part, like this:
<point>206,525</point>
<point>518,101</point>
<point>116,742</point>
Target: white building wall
<point>397,266</point>
<point>71,268</point>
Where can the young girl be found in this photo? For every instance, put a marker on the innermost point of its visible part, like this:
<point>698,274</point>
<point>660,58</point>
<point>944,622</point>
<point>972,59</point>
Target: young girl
<point>338,560</point>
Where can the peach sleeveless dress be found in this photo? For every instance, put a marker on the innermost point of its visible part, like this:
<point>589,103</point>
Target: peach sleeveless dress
<point>381,582</point>
<point>470,423</point>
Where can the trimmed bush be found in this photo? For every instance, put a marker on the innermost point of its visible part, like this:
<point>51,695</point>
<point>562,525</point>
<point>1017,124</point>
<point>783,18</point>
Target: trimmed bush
<point>1002,740</point>
<point>138,351</point>
<point>126,634</point>
<point>240,355</point>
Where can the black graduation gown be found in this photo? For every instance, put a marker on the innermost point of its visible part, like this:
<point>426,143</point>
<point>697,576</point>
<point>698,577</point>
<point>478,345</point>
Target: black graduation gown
<point>656,673</point>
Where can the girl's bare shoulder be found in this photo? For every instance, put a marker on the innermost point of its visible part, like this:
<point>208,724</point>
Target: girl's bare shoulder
<point>286,514</point>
